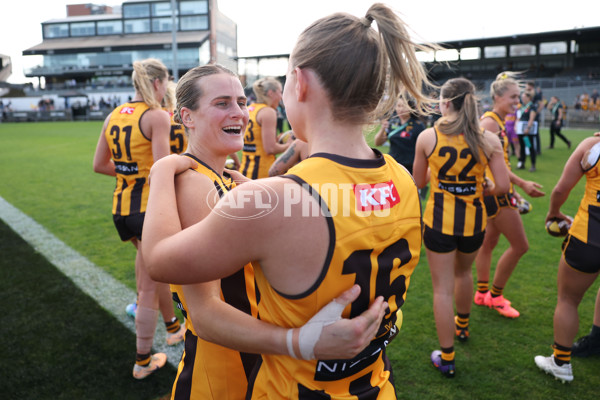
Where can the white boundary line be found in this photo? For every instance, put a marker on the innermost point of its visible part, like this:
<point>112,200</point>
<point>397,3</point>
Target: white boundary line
<point>111,294</point>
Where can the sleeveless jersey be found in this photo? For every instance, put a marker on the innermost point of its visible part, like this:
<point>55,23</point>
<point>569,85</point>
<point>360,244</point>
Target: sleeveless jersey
<point>208,370</point>
<point>586,225</point>
<point>255,161</point>
<point>178,139</point>
<point>455,205</point>
<point>132,154</point>
<point>373,214</point>
<point>503,139</point>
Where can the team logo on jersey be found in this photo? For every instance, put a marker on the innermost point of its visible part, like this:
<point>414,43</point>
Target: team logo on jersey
<point>127,110</point>
<point>378,196</point>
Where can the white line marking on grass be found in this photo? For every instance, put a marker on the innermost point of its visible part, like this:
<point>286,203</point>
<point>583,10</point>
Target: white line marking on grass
<point>111,294</point>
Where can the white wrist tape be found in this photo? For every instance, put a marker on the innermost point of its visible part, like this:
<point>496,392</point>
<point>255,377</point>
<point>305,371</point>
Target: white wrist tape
<point>311,331</point>
<point>290,343</point>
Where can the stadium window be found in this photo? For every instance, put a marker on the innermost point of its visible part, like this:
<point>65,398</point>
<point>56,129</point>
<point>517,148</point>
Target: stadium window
<point>109,27</point>
<point>162,9</point>
<point>161,24</point>
<point>521,50</point>
<point>494,51</point>
<point>137,26</point>
<point>136,10</point>
<point>83,29</point>
<point>446,55</point>
<point>553,48</point>
<point>425,56</point>
<point>56,31</point>
<point>193,7</point>
<point>470,53</point>
<point>195,23</point>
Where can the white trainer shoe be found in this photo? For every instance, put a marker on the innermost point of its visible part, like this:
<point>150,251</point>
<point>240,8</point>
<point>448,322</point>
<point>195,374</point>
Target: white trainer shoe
<point>563,373</point>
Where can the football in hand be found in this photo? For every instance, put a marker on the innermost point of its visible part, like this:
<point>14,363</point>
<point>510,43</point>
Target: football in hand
<point>559,227</point>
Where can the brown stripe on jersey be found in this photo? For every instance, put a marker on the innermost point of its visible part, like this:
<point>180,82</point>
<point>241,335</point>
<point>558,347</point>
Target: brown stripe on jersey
<point>460,208</point>
<point>438,212</point>
<point>246,165</point>
<point>593,234</point>
<point>305,393</point>
<point>362,388</point>
<point>136,196</point>
<point>183,382</point>
<point>478,216</point>
<point>234,293</point>
<point>120,197</point>
<point>256,166</point>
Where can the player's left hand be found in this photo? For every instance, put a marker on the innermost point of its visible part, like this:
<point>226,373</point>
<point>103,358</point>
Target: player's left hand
<point>346,338</point>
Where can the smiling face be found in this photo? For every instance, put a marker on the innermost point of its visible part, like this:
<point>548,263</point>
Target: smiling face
<point>220,118</point>
<point>508,102</point>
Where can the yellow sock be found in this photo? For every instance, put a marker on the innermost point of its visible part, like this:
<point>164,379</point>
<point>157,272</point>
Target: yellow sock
<point>497,291</point>
<point>562,354</point>
<point>172,326</point>
<point>483,286</point>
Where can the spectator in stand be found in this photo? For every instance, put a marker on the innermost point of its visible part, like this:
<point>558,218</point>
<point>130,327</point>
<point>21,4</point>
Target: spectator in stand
<point>538,99</point>
<point>585,101</point>
<point>556,108</point>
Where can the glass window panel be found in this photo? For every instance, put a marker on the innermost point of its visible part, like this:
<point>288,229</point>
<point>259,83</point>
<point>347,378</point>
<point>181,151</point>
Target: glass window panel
<point>425,56</point>
<point>553,48</point>
<point>193,7</point>
<point>137,26</point>
<point>494,51</point>
<point>470,53</point>
<point>517,50</point>
<point>161,9</point>
<point>83,29</point>
<point>446,55</point>
<point>161,24</point>
<point>110,27</point>
<point>199,22</point>
<point>136,10</point>
<point>56,30</point>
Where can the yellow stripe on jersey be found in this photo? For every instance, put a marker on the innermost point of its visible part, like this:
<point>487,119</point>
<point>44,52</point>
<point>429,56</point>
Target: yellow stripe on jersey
<point>255,161</point>
<point>207,370</point>
<point>374,217</point>
<point>132,154</point>
<point>455,205</point>
<point>586,225</point>
<point>503,139</point>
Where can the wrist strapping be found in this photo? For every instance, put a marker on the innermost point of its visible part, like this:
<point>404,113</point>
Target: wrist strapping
<point>311,331</point>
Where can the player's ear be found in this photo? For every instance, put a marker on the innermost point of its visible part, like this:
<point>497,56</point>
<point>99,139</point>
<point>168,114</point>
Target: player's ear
<point>186,117</point>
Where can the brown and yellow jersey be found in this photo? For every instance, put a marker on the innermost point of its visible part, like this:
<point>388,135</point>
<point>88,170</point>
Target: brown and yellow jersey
<point>455,205</point>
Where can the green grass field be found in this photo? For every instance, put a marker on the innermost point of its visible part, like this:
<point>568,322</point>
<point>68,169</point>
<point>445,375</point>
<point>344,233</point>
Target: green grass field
<point>46,172</point>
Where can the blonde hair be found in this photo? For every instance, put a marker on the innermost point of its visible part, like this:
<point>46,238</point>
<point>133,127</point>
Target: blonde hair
<point>363,70</point>
<point>145,72</point>
<point>189,91</point>
<point>503,81</point>
<point>169,100</point>
<point>262,86</point>
<point>461,93</point>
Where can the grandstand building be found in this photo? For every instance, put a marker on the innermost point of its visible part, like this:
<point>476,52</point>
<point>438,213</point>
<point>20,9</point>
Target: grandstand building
<point>96,45</point>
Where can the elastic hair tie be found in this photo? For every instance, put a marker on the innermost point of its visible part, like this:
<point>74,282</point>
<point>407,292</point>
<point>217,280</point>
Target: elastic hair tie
<point>367,21</point>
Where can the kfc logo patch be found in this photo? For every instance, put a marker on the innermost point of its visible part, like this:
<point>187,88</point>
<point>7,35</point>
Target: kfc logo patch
<point>127,110</point>
<point>378,196</point>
